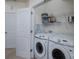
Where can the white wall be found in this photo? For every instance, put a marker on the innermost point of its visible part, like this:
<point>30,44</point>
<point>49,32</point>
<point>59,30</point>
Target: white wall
<point>13,6</point>
<point>57,8</point>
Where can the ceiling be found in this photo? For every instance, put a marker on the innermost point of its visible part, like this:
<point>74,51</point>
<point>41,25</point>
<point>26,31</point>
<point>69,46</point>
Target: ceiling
<point>18,0</point>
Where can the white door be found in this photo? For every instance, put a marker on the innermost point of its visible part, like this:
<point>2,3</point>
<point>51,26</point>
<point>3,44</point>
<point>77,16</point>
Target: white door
<point>23,33</point>
<point>10,29</point>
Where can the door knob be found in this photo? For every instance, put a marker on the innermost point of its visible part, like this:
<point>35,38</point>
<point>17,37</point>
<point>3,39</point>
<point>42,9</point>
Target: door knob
<point>5,32</point>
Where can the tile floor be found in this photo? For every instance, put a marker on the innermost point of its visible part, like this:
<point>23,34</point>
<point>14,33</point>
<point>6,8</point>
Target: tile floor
<point>10,53</point>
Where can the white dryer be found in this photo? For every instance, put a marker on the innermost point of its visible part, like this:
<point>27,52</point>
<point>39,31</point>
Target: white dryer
<point>61,47</point>
<point>40,46</point>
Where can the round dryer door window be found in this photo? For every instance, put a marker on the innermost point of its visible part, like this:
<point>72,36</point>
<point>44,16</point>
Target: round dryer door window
<point>58,54</point>
<point>40,49</point>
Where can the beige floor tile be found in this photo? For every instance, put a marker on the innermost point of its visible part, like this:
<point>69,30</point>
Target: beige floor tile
<point>10,53</point>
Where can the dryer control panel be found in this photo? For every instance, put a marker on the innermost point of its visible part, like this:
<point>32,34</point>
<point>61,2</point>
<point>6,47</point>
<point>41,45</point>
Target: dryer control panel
<point>64,40</point>
<point>41,36</point>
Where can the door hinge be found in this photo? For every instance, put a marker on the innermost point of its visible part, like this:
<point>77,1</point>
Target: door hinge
<point>31,31</point>
<point>31,12</point>
<point>30,50</point>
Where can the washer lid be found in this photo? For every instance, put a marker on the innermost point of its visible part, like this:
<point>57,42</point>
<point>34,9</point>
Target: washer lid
<point>63,39</point>
<point>41,36</point>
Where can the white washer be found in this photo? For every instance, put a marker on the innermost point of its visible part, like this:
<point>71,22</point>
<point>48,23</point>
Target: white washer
<point>40,46</point>
<point>61,47</point>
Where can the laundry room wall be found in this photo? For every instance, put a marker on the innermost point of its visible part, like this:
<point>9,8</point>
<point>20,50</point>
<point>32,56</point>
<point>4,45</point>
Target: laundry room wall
<point>60,9</point>
<point>13,5</point>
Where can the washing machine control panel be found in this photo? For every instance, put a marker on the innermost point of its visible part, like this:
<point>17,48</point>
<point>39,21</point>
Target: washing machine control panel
<point>65,42</point>
<point>62,41</point>
<point>59,40</point>
<point>41,36</point>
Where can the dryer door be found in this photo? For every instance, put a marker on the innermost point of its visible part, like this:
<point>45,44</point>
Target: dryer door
<point>57,51</point>
<point>40,48</point>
